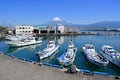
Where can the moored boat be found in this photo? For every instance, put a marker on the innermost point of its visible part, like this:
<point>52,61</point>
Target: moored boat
<point>24,42</point>
<point>111,54</point>
<point>93,56</point>
<point>49,50</point>
<point>15,37</point>
<point>68,57</point>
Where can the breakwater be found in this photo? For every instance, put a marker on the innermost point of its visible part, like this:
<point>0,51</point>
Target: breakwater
<point>26,71</point>
<point>85,72</point>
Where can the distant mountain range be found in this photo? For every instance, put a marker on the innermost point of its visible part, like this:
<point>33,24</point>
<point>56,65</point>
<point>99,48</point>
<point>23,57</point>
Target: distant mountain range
<point>98,25</point>
<point>104,24</point>
<point>55,21</point>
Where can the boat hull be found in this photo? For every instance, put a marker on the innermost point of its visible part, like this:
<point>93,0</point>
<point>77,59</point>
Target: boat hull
<point>49,53</point>
<point>115,62</point>
<point>23,44</point>
<point>97,63</point>
<point>67,63</point>
<point>94,61</point>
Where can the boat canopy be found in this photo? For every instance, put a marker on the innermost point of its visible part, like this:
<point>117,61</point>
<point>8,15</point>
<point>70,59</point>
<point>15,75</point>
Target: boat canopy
<point>89,46</point>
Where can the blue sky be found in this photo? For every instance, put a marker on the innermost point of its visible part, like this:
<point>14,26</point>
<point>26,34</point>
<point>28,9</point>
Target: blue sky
<point>74,11</point>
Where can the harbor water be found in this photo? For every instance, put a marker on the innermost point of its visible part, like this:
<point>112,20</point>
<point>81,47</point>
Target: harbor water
<point>28,52</point>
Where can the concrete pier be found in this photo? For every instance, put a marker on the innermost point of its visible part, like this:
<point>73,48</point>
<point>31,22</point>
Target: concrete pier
<point>14,69</point>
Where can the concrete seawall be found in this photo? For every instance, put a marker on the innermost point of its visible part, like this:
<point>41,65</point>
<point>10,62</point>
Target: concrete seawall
<point>15,69</point>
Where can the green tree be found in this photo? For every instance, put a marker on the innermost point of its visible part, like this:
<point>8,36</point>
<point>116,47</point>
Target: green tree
<point>3,30</point>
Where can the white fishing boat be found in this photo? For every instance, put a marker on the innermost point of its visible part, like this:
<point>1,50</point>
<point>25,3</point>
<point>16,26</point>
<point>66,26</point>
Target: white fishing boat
<point>24,42</point>
<point>68,57</point>
<point>93,56</point>
<point>15,37</point>
<point>49,50</point>
<point>109,53</point>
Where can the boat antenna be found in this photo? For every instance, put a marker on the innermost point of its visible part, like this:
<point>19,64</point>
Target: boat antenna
<point>91,42</point>
<point>72,35</point>
<point>119,49</point>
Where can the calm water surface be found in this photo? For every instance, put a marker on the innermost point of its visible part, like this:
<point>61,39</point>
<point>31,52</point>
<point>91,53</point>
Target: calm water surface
<point>81,62</point>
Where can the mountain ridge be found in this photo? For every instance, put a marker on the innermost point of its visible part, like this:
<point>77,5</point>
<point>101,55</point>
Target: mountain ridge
<point>97,25</point>
<point>102,24</point>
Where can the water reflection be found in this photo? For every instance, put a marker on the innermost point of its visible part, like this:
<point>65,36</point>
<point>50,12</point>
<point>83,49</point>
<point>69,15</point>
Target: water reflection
<point>58,39</point>
<point>81,62</point>
<point>49,58</point>
<point>30,48</point>
<point>61,40</point>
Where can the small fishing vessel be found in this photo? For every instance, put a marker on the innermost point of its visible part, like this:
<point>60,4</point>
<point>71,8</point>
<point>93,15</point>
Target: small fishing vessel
<point>93,56</point>
<point>109,53</point>
<point>24,42</point>
<point>68,57</point>
<point>15,37</point>
<point>49,50</point>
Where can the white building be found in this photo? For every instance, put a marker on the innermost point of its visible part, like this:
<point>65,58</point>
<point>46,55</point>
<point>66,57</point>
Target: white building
<point>61,28</point>
<point>24,29</point>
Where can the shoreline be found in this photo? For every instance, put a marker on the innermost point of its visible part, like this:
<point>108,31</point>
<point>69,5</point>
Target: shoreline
<point>65,34</point>
<point>23,70</point>
<point>106,33</point>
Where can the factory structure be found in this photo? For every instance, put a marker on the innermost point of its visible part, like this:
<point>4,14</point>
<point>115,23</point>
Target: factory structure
<point>49,29</point>
<point>24,29</point>
<point>56,29</point>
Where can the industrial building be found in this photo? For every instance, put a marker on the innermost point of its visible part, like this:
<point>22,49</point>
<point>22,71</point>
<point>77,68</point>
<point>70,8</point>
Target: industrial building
<point>49,30</point>
<point>56,29</point>
<point>24,29</point>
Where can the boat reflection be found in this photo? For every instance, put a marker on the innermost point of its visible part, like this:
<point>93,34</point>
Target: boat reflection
<point>49,58</point>
<point>61,40</point>
<point>58,39</point>
<point>30,47</point>
<point>92,67</point>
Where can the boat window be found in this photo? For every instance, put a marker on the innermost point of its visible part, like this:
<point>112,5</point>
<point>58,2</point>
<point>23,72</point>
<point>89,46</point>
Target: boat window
<point>90,47</point>
<point>50,46</point>
<point>110,48</point>
<point>112,51</point>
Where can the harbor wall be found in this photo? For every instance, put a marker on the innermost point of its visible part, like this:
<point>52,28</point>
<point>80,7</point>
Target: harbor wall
<point>85,72</point>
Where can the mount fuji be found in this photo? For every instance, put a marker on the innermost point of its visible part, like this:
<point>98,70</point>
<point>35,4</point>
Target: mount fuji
<point>57,20</point>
